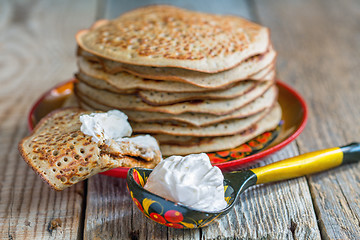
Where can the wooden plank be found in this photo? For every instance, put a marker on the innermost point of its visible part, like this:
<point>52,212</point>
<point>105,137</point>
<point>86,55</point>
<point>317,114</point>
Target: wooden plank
<point>108,209</point>
<point>317,43</point>
<point>111,214</point>
<point>37,51</point>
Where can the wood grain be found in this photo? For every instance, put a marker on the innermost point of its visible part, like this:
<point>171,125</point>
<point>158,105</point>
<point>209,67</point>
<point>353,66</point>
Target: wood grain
<point>317,48</point>
<point>37,49</point>
<point>318,42</point>
<point>111,214</point>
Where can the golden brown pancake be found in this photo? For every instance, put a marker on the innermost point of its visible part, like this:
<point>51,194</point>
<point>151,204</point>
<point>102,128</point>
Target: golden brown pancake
<point>255,68</point>
<point>167,36</point>
<point>192,119</point>
<point>216,107</point>
<point>197,145</point>
<point>200,80</point>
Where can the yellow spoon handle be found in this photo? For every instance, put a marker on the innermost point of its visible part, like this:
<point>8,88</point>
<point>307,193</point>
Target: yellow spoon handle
<point>301,165</point>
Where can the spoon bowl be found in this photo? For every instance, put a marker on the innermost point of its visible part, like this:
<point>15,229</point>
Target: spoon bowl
<point>177,215</point>
<point>168,213</point>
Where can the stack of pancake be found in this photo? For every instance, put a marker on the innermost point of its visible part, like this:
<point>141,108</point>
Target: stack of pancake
<point>196,82</point>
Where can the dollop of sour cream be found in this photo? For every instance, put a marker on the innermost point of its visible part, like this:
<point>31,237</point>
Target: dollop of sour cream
<point>142,142</point>
<point>189,180</point>
<point>105,126</point>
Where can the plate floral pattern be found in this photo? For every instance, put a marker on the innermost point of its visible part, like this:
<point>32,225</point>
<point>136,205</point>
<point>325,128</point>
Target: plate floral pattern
<point>164,213</point>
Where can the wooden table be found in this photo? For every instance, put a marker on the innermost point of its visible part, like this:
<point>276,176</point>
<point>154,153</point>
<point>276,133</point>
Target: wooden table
<point>318,44</point>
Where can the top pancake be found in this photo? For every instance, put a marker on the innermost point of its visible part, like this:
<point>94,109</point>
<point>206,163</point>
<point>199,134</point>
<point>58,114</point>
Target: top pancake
<point>166,36</point>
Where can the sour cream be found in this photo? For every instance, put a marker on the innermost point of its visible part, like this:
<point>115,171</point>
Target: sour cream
<point>111,125</point>
<point>189,180</point>
<point>141,143</point>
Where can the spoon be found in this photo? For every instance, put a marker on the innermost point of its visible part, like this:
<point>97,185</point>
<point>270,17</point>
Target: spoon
<point>177,215</point>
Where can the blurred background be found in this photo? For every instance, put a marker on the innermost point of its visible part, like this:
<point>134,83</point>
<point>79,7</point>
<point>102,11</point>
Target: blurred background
<point>113,8</point>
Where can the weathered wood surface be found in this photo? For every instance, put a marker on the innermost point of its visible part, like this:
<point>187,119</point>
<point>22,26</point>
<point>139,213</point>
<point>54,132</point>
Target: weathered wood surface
<point>317,43</point>
<point>36,51</point>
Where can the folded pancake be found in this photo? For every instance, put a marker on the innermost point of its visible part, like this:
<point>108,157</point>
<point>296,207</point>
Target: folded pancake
<point>187,145</point>
<point>266,92</point>
<point>63,155</point>
<point>167,36</point>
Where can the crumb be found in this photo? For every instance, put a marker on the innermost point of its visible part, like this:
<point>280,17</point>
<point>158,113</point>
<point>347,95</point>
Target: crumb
<point>55,223</point>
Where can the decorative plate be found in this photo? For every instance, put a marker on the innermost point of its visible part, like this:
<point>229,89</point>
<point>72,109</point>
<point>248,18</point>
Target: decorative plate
<point>294,117</point>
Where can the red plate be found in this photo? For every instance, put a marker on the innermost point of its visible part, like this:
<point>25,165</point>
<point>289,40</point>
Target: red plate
<point>294,119</point>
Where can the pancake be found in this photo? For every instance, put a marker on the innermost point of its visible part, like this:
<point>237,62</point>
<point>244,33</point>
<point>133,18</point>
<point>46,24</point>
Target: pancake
<point>155,97</point>
<point>101,84</point>
<point>211,81</point>
<point>177,140</point>
<point>216,107</point>
<point>229,127</point>
<point>124,81</point>
<point>252,68</point>
<point>163,98</point>
<point>63,155</point>
<point>167,36</point>
<point>193,119</point>
<point>198,145</point>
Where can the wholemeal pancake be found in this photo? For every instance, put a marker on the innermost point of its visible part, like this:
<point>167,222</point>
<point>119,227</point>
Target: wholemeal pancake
<point>63,155</point>
<point>229,127</point>
<point>178,140</point>
<point>194,119</point>
<point>163,98</point>
<point>234,99</point>
<point>155,97</point>
<point>122,82</point>
<point>222,143</point>
<point>101,84</point>
<point>211,81</point>
<point>216,107</point>
<point>167,36</point>
<point>237,98</point>
<point>252,68</point>
<point>71,101</point>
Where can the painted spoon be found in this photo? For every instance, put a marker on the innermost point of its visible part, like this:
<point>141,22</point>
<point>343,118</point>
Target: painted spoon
<point>177,215</point>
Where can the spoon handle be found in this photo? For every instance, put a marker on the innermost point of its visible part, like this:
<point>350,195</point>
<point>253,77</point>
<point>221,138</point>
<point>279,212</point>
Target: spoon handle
<point>308,163</point>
